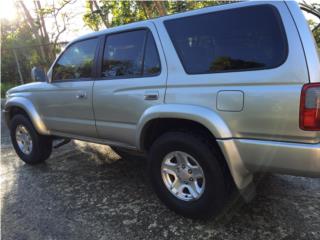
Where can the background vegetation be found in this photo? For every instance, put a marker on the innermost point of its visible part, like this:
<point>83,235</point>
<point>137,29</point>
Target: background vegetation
<point>28,41</point>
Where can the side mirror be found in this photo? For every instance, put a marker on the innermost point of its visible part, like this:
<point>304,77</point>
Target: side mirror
<point>38,74</point>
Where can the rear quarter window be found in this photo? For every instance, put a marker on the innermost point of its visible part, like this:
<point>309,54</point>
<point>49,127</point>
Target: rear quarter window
<point>248,38</point>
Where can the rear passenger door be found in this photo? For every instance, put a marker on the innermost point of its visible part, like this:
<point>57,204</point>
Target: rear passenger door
<point>132,79</point>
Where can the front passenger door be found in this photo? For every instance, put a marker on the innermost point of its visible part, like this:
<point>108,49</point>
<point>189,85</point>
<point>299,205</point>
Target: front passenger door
<point>66,105</point>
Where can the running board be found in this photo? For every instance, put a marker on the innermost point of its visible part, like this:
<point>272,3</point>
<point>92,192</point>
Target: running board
<point>63,142</point>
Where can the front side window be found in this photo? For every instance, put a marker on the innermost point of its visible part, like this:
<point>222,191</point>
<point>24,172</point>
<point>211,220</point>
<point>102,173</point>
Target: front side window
<point>248,38</point>
<point>130,54</point>
<point>76,62</point>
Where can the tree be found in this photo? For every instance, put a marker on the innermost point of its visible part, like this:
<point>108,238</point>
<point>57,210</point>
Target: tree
<point>31,41</point>
<point>35,18</point>
<point>316,31</point>
<point>105,14</point>
<point>16,62</point>
<point>314,9</point>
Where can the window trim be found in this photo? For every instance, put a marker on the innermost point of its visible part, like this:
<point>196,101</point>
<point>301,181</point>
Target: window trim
<point>102,48</point>
<point>278,19</point>
<point>93,68</point>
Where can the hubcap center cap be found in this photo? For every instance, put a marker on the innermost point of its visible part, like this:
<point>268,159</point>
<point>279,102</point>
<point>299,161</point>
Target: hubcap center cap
<point>184,175</point>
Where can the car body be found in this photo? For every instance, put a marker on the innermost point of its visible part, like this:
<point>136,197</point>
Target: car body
<point>253,113</point>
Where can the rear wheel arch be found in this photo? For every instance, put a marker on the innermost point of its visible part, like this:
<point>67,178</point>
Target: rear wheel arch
<point>157,127</point>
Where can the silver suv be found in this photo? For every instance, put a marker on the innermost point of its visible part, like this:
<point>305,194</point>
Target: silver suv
<point>212,96</point>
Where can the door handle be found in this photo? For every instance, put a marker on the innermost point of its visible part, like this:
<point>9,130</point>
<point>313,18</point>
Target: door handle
<point>151,95</point>
<point>81,95</point>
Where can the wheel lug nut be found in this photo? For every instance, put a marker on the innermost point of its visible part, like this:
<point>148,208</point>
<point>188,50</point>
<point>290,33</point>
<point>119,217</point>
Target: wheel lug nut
<point>190,171</point>
<point>183,166</point>
<point>191,179</point>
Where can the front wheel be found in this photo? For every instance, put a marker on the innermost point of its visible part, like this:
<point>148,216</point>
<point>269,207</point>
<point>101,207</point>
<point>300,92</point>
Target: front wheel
<point>187,175</point>
<point>30,146</point>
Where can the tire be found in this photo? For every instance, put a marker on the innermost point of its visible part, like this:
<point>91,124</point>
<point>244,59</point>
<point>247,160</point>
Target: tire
<point>215,194</point>
<point>41,145</point>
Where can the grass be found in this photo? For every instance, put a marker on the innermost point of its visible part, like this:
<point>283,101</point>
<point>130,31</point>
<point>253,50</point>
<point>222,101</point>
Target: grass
<point>5,87</point>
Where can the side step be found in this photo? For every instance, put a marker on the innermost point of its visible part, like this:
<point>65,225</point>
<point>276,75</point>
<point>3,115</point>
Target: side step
<point>63,142</point>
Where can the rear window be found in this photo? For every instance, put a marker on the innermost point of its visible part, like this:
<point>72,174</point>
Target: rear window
<point>248,38</point>
<point>123,54</point>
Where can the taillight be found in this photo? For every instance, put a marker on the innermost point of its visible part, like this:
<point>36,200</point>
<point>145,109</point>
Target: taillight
<point>310,107</point>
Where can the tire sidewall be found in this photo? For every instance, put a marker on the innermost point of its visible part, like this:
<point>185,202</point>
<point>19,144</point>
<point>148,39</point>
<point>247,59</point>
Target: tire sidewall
<point>34,156</point>
<point>213,197</point>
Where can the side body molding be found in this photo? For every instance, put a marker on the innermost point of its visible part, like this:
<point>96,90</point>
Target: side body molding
<point>29,108</point>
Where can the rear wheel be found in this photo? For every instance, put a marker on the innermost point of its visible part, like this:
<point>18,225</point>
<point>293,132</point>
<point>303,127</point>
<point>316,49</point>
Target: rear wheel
<point>30,146</point>
<point>187,175</point>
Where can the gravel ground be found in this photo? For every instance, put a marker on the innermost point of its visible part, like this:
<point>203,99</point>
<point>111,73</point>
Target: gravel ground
<point>85,191</point>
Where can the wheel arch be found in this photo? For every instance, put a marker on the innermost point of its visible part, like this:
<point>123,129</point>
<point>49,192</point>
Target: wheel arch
<point>202,117</point>
<point>22,105</point>
<point>193,118</point>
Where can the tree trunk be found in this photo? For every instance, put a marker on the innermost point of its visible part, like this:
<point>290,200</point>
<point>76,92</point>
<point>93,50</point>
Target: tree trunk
<point>34,30</point>
<point>161,8</point>
<point>43,28</point>
<point>103,18</point>
<point>96,25</point>
<point>146,9</point>
<point>18,66</point>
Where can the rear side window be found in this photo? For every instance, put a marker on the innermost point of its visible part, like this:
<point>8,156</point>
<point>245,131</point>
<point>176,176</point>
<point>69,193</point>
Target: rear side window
<point>76,62</point>
<point>130,54</point>
<point>248,38</point>
<point>151,64</point>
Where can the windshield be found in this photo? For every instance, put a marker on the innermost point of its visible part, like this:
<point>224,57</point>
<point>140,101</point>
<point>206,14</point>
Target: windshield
<point>312,13</point>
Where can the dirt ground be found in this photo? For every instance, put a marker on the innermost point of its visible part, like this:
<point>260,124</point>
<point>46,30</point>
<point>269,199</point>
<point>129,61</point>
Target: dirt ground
<point>85,191</point>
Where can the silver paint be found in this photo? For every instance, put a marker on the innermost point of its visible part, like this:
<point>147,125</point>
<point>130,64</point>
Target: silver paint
<point>263,135</point>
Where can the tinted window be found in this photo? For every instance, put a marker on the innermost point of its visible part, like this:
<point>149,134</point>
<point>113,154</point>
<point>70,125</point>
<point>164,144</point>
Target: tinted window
<point>151,60</point>
<point>76,62</point>
<point>232,40</point>
<point>123,54</point>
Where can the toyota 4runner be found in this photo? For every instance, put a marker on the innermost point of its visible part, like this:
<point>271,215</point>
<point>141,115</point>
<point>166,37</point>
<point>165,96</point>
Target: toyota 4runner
<point>211,96</point>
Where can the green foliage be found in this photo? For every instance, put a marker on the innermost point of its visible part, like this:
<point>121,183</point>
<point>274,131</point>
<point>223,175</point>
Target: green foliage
<point>313,8</point>
<point>117,13</point>
<point>316,31</point>
<point>13,36</point>
<point>125,12</point>
<point>182,6</point>
<point>5,86</point>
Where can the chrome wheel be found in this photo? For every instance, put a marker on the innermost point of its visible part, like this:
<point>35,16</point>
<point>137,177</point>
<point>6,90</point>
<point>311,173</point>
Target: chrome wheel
<point>24,139</point>
<point>183,176</point>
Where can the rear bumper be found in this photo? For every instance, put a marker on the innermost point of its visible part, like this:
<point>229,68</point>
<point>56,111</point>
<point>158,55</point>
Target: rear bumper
<point>280,157</point>
<point>246,156</point>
